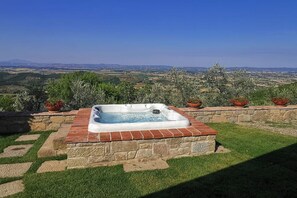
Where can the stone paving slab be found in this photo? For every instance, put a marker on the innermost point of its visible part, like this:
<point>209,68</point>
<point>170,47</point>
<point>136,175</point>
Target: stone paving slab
<point>47,149</point>
<point>52,166</point>
<point>222,149</point>
<point>27,137</point>
<point>146,165</point>
<point>11,188</point>
<point>15,150</point>
<point>14,170</point>
<point>55,144</point>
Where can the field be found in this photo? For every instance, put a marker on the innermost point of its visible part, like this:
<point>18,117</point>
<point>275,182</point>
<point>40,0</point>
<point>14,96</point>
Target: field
<point>13,80</point>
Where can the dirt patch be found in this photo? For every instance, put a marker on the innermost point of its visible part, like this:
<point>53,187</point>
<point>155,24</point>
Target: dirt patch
<point>17,149</point>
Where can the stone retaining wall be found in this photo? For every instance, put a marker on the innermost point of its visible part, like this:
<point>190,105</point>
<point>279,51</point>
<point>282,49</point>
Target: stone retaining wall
<point>81,155</point>
<point>250,114</point>
<point>23,122</point>
<point>15,122</point>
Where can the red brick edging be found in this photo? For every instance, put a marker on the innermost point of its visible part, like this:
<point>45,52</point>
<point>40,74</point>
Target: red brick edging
<point>79,130</point>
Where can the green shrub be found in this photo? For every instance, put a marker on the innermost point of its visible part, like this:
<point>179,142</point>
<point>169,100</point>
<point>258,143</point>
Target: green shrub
<point>156,93</point>
<point>22,102</point>
<point>264,96</point>
<point>127,92</point>
<point>111,91</point>
<point>36,90</point>
<point>85,95</point>
<point>61,88</point>
<point>6,103</point>
<point>260,97</point>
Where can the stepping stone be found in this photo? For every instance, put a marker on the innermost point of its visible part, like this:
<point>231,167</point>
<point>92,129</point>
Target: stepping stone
<point>222,149</point>
<point>52,166</point>
<point>55,144</point>
<point>146,165</point>
<point>27,137</point>
<point>14,170</point>
<point>47,149</point>
<point>16,150</point>
<point>11,188</point>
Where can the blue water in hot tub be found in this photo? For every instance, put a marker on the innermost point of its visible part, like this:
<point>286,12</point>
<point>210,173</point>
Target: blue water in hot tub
<point>130,117</point>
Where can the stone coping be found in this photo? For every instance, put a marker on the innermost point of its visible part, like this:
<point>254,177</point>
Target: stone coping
<point>232,108</point>
<point>79,130</point>
<point>22,114</point>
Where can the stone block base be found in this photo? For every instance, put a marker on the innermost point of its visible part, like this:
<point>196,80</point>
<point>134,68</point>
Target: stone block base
<point>118,152</point>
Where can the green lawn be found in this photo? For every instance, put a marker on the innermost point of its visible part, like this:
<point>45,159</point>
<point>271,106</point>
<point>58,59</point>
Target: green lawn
<point>260,164</point>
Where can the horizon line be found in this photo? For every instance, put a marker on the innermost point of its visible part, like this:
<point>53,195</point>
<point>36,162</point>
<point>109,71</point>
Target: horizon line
<point>23,61</point>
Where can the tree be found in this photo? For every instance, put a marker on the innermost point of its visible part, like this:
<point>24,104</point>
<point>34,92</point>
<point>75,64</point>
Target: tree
<point>185,84</point>
<point>157,93</point>
<point>127,92</point>
<point>61,88</point>
<point>85,95</point>
<point>111,91</point>
<point>216,81</point>
<point>241,84</point>
<point>37,94</point>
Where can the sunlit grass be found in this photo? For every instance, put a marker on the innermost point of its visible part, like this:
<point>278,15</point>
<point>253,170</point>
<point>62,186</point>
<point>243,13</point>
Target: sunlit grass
<point>257,158</point>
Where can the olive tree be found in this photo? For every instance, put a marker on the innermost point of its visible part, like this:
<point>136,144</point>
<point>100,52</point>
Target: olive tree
<point>241,84</point>
<point>185,85</point>
<point>85,95</point>
<point>127,92</point>
<point>157,93</point>
<point>61,88</point>
<point>216,82</point>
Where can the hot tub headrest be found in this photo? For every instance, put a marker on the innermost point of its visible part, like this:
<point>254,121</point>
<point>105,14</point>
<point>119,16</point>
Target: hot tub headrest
<point>156,111</point>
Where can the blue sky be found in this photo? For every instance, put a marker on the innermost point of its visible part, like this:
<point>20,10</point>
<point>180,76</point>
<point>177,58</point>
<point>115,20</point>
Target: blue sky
<point>260,33</point>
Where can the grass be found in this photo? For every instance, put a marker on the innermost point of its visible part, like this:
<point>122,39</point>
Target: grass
<point>6,140</point>
<point>31,156</point>
<point>260,164</point>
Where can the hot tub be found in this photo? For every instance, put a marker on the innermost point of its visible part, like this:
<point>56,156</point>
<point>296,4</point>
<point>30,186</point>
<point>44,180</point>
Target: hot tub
<point>131,117</point>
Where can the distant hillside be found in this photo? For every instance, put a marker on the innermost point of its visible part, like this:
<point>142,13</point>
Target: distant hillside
<point>116,67</point>
<point>14,83</point>
<point>272,69</point>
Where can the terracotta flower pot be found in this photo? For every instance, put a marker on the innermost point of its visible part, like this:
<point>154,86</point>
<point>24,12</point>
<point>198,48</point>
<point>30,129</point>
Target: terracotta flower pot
<point>239,102</point>
<point>194,105</point>
<point>52,109</point>
<point>54,106</point>
<point>280,101</point>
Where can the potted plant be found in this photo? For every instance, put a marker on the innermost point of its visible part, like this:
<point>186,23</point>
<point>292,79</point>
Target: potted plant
<point>280,101</point>
<point>239,101</point>
<point>54,105</point>
<point>279,96</point>
<point>194,102</point>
